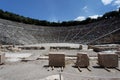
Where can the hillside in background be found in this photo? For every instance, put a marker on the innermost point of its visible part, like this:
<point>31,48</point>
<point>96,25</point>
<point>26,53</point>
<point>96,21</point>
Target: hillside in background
<point>105,29</point>
<point>18,18</point>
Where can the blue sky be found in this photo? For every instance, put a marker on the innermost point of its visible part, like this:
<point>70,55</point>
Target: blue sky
<point>59,10</point>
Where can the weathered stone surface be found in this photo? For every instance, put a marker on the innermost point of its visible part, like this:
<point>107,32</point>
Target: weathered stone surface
<point>56,60</point>
<point>108,60</point>
<point>2,58</point>
<point>19,33</point>
<point>82,60</point>
<point>118,53</point>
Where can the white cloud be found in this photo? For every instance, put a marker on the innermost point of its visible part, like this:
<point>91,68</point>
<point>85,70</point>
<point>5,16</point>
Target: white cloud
<point>85,8</point>
<point>113,2</point>
<point>117,3</point>
<point>95,16</point>
<point>106,2</point>
<point>80,18</point>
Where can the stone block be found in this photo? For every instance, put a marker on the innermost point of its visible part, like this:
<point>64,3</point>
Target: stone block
<point>82,60</point>
<point>108,60</point>
<point>56,59</point>
<point>2,58</point>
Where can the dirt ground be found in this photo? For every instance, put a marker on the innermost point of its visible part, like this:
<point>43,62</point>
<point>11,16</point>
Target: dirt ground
<point>35,68</point>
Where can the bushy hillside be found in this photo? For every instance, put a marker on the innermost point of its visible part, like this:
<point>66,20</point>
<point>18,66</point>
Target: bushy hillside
<point>18,18</point>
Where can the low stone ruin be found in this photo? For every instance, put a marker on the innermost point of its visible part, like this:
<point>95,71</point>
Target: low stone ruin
<point>2,58</point>
<point>56,59</point>
<point>108,60</point>
<point>82,60</point>
<point>32,48</point>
